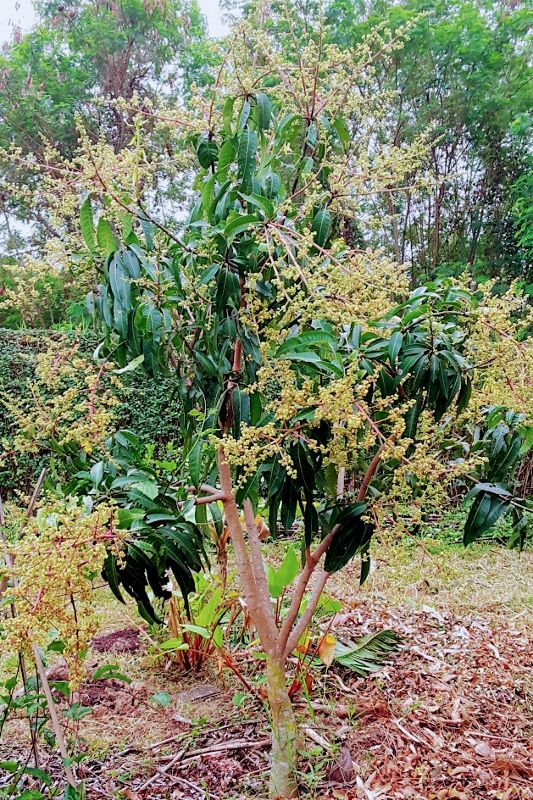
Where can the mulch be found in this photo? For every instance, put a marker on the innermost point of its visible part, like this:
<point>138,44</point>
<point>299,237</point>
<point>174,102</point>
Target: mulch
<point>449,718</point>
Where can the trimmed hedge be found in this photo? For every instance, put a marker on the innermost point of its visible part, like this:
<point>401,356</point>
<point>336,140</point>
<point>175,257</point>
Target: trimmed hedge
<point>148,407</point>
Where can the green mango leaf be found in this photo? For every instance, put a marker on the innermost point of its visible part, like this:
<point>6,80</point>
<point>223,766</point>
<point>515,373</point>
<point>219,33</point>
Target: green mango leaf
<point>120,283</point>
<point>240,225</point>
<point>195,462</point>
<point>227,114</point>
<point>265,110</point>
<point>86,224</point>
<point>207,152</point>
<point>228,289</point>
<point>246,159</point>
<point>394,347</point>
<point>304,340</point>
<point>342,131</point>
<point>352,534</point>
<point>485,511</point>
<point>225,159</point>
<point>261,202</point>
<point>321,227</point>
<point>105,237</point>
<point>110,672</point>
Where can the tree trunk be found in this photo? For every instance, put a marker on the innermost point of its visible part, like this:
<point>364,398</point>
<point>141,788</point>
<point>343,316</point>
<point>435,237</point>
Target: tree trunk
<point>284,750</point>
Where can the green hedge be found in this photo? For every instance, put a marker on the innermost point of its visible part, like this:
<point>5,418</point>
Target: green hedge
<point>148,407</point>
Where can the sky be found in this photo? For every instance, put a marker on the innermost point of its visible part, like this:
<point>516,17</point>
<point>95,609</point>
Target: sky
<point>19,13</point>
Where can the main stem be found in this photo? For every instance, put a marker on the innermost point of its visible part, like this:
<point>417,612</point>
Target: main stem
<point>283,783</point>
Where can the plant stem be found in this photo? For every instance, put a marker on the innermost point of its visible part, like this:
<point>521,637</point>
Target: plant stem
<point>54,718</point>
<point>284,740</point>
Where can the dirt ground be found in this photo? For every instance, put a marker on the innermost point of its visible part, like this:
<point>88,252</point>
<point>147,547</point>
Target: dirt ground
<point>448,717</point>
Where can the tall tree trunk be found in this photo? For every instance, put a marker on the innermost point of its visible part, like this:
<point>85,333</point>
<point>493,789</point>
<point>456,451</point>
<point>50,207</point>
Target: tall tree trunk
<point>283,782</point>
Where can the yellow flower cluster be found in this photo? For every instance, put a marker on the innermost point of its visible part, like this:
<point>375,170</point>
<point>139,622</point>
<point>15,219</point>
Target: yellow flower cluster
<point>503,357</point>
<point>51,585</point>
<point>70,401</point>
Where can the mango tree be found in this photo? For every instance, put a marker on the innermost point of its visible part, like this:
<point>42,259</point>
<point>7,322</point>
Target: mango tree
<point>313,387</point>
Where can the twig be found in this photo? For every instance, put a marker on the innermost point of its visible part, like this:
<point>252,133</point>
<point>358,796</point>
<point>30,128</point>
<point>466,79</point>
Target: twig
<point>196,788</point>
<point>162,770</point>
<point>221,748</point>
<point>54,719</point>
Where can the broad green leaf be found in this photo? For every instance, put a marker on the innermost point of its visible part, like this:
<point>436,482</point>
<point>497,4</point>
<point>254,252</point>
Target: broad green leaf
<point>303,340</point>
<point>227,114</point>
<point>244,115</point>
<point>105,237</point>
<point>226,157</point>
<point>342,131</point>
<point>281,578</point>
<point>310,357</point>
<point>240,225</point>
<point>174,644</point>
<point>352,534</point>
<point>120,283</point>
<point>207,152</point>
<point>485,511</point>
<point>195,462</point>
<point>272,184</point>
<point>321,227</point>
<point>261,202</point>
<point>110,672</point>
<point>228,289</point>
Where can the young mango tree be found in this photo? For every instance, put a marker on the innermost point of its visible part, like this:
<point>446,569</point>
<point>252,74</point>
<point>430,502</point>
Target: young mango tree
<point>314,387</point>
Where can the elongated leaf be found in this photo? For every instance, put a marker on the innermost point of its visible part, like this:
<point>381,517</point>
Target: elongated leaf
<point>225,158</point>
<point>261,202</point>
<point>195,460</point>
<point>281,578</point>
<point>272,184</point>
<point>310,357</point>
<point>394,347</point>
<point>86,224</point>
<point>227,114</point>
<point>228,289</point>
<point>321,227</point>
<point>246,159</point>
<point>240,225</point>
<point>265,110</point>
<point>120,283</point>
<point>351,535</point>
<point>485,511</point>
<point>303,340</point>
<point>105,237</point>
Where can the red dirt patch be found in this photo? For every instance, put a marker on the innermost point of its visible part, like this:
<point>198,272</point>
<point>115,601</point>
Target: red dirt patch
<point>123,641</point>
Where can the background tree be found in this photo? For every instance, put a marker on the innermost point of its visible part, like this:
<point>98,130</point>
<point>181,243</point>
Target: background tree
<point>464,74</point>
<point>77,62</point>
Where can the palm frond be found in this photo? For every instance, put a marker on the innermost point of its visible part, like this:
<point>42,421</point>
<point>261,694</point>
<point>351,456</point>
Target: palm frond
<point>368,653</point>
